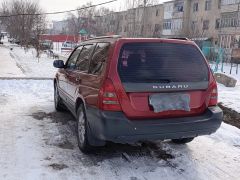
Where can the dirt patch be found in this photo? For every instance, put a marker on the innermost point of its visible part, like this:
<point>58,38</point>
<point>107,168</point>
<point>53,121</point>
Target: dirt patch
<point>48,159</point>
<point>56,117</point>
<point>129,152</point>
<point>157,151</point>
<point>58,167</point>
<point>66,145</point>
<point>230,116</point>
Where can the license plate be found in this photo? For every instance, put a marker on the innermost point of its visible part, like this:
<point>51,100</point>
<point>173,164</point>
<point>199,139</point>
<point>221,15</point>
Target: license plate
<point>167,102</point>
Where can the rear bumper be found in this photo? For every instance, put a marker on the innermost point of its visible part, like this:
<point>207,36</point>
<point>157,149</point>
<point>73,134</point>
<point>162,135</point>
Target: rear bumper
<point>115,127</point>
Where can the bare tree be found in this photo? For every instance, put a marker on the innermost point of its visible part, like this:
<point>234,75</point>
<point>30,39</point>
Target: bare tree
<point>25,28</point>
<point>137,16</point>
<point>83,20</point>
<point>37,30</point>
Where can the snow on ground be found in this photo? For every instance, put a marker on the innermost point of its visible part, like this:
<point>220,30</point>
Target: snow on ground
<point>230,97</point>
<point>8,66</point>
<point>32,66</point>
<point>39,143</point>
<point>25,60</point>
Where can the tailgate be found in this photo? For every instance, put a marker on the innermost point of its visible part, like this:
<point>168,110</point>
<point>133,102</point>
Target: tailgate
<point>173,75</point>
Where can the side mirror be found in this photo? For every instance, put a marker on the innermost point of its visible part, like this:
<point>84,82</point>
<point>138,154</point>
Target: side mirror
<point>58,64</point>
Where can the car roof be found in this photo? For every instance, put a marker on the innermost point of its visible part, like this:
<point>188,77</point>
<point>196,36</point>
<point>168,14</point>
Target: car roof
<point>115,38</point>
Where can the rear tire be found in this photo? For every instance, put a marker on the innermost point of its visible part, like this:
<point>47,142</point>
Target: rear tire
<point>57,100</point>
<point>83,131</point>
<point>182,141</point>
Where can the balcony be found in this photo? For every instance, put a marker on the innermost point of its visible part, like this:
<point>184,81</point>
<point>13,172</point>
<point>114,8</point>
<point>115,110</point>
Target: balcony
<point>229,8</point>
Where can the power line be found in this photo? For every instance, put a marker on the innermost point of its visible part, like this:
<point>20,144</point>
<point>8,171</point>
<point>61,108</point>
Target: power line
<point>57,12</point>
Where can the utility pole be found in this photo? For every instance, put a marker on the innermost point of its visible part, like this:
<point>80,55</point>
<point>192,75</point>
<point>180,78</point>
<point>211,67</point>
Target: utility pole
<point>237,23</point>
<point>143,18</point>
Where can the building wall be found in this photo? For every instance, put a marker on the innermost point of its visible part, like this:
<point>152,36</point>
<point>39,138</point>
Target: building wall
<point>229,32</point>
<point>202,22</point>
<point>154,21</point>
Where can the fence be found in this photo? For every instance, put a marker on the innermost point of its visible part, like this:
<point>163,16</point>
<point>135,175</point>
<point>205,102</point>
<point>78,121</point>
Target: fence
<point>216,57</point>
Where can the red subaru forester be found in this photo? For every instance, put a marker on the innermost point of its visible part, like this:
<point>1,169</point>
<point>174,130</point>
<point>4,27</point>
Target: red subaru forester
<point>126,90</point>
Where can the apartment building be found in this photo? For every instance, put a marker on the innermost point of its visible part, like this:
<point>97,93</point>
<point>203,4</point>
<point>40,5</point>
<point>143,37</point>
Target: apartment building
<point>229,32</point>
<point>214,20</point>
<point>136,22</point>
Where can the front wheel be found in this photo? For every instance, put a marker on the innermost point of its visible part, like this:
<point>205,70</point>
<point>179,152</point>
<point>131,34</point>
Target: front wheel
<point>182,140</point>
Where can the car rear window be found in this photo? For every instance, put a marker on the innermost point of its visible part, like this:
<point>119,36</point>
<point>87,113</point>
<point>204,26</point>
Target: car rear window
<point>161,62</point>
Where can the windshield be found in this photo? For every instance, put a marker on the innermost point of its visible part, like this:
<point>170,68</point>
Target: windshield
<point>161,62</point>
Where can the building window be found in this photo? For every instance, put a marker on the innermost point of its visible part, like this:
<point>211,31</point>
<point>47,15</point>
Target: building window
<point>193,25</point>
<point>205,24</point>
<point>228,2</point>
<point>208,4</point>
<point>157,28</point>
<point>195,7</point>
<point>179,6</point>
<point>167,24</point>
<point>229,20</point>
<point>168,7</point>
<point>177,24</point>
<point>157,12</point>
<point>219,4</point>
<point>217,24</point>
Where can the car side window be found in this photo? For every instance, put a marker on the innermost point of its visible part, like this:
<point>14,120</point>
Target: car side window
<point>71,63</point>
<point>99,58</point>
<point>84,57</point>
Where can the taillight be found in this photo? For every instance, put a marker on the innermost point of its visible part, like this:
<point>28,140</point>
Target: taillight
<point>108,98</point>
<point>214,96</point>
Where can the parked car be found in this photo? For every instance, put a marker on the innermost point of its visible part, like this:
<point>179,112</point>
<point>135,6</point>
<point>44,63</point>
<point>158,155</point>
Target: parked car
<point>14,41</point>
<point>46,45</point>
<point>68,46</point>
<point>127,90</point>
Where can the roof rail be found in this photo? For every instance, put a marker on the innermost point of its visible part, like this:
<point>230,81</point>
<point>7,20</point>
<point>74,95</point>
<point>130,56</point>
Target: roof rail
<point>180,38</point>
<point>103,37</point>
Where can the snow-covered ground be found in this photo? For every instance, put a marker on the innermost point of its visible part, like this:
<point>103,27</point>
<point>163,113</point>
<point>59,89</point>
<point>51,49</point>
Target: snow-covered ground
<point>32,66</point>
<point>38,143</point>
<point>230,97</point>
<point>26,61</point>
<point>8,66</point>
